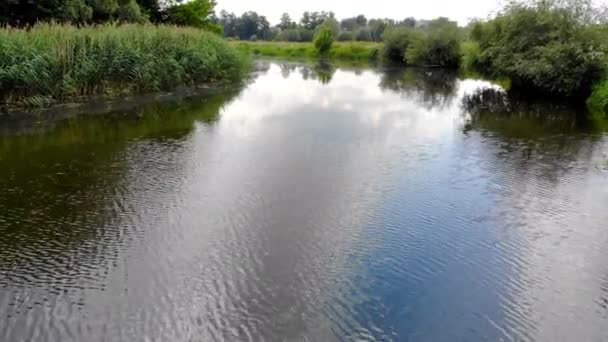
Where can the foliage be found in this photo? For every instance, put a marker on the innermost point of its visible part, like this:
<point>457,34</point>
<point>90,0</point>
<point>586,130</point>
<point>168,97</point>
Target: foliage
<point>363,35</point>
<point>246,26</point>
<point>346,36</point>
<point>598,101</point>
<point>60,62</point>
<point>440,47</point>
<point>286,23</point>
<point>312,20</point>
<point>347,51</point>
<point>193,13</point>
<point>27,12</point>
<point>324,39</point>
<point>377,28</point>
<point>196,13</point>
<point>544,46</point>
<point>471,54</point>
<point>331,24</point>
<point>396,42</point>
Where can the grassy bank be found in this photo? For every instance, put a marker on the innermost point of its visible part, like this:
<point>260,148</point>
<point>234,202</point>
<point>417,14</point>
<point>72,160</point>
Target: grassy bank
<point>55,63</point>
<point>350,51</point>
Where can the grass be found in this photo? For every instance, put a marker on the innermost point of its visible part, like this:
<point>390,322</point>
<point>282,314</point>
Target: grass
<point>346,51</point>
<point>57,63</point>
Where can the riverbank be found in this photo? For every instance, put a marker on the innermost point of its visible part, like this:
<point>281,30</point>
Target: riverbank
<point>53,63</point>
<point>340,51</point>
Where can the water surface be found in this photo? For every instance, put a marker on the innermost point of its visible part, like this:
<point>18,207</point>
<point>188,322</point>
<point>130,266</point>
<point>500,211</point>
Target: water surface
<point>316,203</point>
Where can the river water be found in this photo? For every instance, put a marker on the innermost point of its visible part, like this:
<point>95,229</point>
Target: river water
<point>315,203</point>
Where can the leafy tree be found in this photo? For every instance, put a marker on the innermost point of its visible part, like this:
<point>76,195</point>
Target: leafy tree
<point>312,20</point>
<point>332,24</point>
<point>286,22</point>
<point>346,36</point>
<point>396,42</point>
<point>324,40</point>
<point>194,13</point>
<point>377,28</point>
<point>363,35</point>
<point>408,22</point>
<point>361,20</point>
<point>441,47</point>
<point>546,46</point>
<point>290,35</point>
<point>229,22</point>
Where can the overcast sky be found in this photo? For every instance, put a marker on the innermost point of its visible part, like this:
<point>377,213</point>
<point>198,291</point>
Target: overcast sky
<point>461,10</point>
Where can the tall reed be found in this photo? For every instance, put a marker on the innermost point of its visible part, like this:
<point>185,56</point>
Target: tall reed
<point>53,62</point>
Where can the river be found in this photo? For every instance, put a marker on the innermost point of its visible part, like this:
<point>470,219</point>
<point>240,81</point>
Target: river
<point>314,203</point>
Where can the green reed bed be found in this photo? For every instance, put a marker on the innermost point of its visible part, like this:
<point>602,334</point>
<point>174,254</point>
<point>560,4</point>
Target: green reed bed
<point>56,63</point>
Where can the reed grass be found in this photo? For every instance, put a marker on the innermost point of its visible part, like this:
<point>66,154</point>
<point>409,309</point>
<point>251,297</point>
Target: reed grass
<point>55,63</point>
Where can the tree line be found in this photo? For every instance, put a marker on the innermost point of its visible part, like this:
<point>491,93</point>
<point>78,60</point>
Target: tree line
<point>253,26</point>
<point>196,13</point>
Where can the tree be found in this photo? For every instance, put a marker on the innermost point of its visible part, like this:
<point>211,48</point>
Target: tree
<point>440,47</point>
<point>28,12</point>
<point>363,35</point>
<point>377,28</point>
<point>229,22</point>
<point>312,20</point>
<point>545,46</point>
<point>408,22</point>
<point>361,20</point>
<point>286,22</point>
<point>194,13</point>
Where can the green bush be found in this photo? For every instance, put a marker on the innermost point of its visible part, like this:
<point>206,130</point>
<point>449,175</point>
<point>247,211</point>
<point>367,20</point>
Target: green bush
<point>543,46</point>
<point>289,35</point>
<point>363,35</point>
<point>346,36</point>
<point>396,43</point>
<point>59,62</point>
<point>598,101</point>
<point>471,54</point>
<point>324,39</point>
<point>437,48</point>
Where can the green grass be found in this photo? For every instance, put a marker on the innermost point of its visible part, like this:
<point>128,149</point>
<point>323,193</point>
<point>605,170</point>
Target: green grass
<point>347,51</point>
<point>56,63</point>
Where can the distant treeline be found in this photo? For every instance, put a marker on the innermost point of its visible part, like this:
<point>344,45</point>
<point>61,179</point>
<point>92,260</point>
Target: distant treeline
<point>553,48</point>
<point>253,26</point>
<point>20,13</point>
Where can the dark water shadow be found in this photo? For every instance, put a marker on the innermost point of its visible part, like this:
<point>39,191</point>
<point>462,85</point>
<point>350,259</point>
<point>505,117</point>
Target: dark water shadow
<point>430,88</point>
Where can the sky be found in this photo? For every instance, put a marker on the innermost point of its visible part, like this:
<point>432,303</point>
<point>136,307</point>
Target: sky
<point>461,10</point>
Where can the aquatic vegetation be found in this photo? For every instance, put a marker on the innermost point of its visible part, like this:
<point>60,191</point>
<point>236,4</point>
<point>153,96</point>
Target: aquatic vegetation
<point>54,63</point>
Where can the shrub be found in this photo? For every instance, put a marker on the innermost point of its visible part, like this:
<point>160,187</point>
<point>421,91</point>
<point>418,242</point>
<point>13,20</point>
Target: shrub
<point>598,102</point>
<point>437,48</point>
<point>471,54</point>
<point>290,35</point>
<point>324,39</point>
<point>306,35</point>
<point>346,36</point>
<point>396,43</point>
<point>545,47</point>
<point>363,35</point>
